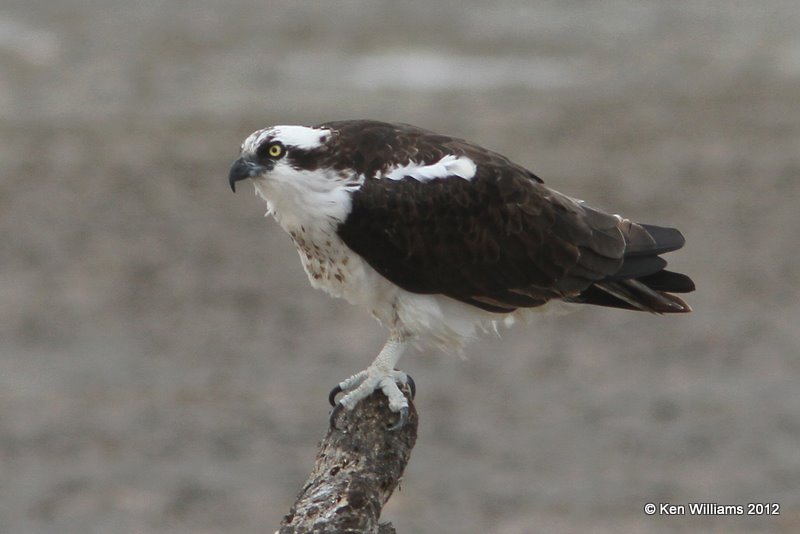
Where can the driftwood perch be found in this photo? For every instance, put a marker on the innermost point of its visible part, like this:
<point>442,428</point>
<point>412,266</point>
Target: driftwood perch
<point>356,470</point>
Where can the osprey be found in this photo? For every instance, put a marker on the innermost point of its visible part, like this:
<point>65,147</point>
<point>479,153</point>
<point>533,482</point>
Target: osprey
<point>441,239</point>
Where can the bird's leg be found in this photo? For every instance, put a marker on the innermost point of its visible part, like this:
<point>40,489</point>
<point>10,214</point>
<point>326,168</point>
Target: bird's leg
<point>382,375</point>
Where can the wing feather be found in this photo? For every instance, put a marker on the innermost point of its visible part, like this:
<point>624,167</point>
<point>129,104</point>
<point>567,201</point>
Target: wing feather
<point>481,241</point>
<point>501,240</point>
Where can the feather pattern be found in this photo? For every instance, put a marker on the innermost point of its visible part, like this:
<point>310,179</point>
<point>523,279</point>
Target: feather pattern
<point>501,242</point>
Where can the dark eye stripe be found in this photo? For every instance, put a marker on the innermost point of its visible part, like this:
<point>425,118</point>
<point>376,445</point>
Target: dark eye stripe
<point>267,150</point>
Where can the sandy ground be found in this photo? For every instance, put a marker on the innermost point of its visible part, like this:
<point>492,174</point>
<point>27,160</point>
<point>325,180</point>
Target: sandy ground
<point>164,363</point>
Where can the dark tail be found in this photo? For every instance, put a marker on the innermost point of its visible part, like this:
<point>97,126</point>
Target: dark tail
<point>642,283</point>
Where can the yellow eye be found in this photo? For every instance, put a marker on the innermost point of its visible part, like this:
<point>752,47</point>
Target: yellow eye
<point>275,151</point>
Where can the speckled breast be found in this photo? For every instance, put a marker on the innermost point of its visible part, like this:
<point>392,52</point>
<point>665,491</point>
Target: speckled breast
<point>325,259</point>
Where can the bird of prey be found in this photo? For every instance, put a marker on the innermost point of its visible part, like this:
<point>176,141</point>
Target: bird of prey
<point>441,239</point>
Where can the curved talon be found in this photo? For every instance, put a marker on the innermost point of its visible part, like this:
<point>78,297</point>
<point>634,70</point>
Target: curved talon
<point>335,391</point>
<point>362,384</point>
<point>411,386</point>
<point>401,422</point>
<point>337,409</point>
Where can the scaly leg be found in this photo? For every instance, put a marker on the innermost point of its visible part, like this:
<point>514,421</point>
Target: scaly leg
<point>382,375</point>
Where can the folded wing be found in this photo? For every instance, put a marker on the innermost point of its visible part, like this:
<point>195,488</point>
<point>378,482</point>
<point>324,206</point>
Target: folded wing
<point>503,240</point>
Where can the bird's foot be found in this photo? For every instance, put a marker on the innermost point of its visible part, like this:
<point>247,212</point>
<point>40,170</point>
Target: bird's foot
<point>362,384</point>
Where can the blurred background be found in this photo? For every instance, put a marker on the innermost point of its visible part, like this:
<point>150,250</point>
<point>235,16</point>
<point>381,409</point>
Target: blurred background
<point>164,363</point>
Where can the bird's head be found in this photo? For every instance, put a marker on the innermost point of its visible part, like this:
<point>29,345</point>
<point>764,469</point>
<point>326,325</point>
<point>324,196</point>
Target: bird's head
<point>280,152</point>
<point>303,173</point>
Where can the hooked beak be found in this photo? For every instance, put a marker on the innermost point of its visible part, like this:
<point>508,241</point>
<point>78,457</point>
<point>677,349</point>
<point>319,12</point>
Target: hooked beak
<point>241,169</point>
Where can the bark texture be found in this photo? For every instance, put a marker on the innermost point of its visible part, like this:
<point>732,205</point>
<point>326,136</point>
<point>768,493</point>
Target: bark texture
<point>357,468</point>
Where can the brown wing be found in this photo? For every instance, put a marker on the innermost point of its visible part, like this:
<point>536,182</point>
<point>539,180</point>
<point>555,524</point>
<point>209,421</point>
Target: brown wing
<point>499,241</point>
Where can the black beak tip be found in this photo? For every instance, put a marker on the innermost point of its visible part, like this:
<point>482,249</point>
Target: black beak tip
<point>243,168</point>
<point>240,170</point>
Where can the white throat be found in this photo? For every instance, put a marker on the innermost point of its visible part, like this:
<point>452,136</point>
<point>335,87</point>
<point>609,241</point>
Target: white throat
<point>313,200</point>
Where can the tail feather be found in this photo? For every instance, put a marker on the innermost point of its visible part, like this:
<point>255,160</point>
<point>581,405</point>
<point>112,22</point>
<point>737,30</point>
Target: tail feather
<point>639,266</point>
<point>668,281</point>
<point>641,297</point>
<point>642,283</point>
<point>649,240</point>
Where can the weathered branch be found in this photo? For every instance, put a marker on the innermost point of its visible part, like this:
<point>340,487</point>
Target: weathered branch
<point>356,470</point>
